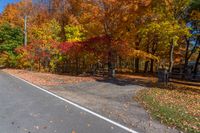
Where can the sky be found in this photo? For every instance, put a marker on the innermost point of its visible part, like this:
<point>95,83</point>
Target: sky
<point>3,3</point>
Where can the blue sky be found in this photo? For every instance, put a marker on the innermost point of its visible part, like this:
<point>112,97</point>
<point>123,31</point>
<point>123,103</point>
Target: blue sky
<point>3,3</point>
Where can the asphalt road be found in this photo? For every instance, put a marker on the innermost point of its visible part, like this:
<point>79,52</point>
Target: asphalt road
<point>26,109</point>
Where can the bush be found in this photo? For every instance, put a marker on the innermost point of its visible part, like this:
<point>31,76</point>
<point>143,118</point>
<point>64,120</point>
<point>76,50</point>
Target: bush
<point>9,59</point>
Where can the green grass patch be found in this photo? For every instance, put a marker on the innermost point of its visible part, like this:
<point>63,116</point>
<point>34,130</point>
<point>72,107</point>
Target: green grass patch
<point>169,107</point>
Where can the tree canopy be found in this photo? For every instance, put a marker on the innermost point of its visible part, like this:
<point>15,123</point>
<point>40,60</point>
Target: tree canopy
<point>85,36</point>
<point>10,37</point>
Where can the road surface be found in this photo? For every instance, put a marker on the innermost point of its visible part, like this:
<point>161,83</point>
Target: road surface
<point>27,109</point>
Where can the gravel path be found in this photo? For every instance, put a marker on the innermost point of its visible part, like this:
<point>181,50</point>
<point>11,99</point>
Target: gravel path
<point>114,99</point>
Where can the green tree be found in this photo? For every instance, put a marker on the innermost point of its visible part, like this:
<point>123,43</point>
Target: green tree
<point>10,37</point>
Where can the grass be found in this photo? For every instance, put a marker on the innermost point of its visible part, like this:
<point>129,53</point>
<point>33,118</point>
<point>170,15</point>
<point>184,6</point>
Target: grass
<point>174,107</point>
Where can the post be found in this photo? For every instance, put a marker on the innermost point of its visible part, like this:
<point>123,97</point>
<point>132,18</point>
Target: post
<point>163,76</point>
<point>25,30</point>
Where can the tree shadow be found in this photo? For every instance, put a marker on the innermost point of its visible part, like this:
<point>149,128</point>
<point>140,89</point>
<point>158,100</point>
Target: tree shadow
<point>147,82</point>
<point>127,81</point>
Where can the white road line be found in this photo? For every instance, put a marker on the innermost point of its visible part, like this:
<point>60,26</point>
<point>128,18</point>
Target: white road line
<point>78,106</point>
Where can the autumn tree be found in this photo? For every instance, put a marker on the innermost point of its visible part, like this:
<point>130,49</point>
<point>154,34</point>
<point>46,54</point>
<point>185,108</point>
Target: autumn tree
<point>111,18</point>
<point>82,35</point>
<point>46,31</point>
<point>168,15</point>
<point>74,33</point>
<point>14,13</point>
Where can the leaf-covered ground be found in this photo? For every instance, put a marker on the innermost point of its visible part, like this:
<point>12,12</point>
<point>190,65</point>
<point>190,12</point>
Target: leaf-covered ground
<point>176,107</point>
<point>48,79</point>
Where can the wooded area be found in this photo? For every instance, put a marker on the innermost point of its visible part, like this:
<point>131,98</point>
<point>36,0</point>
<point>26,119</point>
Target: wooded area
<point>98,36</point>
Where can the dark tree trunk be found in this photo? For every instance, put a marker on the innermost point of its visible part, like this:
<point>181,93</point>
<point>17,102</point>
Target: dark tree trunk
<point>64,21</point>
<point>146,66</point>
<point>62,33</point>
<point>196,65</point>
<point>152,64</point>
<point>77,70</point>
<point>137,62</point>
<point>84,65</point>
<point>110,65</point>
<point>120,62</point>
<point>133,65</point>
<point>110,59</point>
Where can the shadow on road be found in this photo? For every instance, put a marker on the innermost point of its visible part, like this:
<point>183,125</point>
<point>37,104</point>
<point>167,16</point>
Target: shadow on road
<point>122,81</point>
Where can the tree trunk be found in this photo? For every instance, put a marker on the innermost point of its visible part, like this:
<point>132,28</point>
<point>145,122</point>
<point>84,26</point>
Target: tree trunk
<point>171,57</point>
<point>146,66</point>
<point>110,60</point>
<point>120,62</point>
<point>77,70</point>
<point>110,65</point>
<point>152,64</point>
<point>196,65</point>
<point>133,64</point>
<point>186,58</point>
<point>137,62</point>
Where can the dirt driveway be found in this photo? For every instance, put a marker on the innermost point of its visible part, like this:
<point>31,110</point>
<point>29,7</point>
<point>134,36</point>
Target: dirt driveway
<point>113,98</point>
